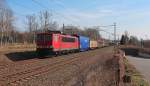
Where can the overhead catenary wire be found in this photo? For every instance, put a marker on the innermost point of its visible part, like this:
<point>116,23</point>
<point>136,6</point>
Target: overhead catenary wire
<point>14,12</point>
<point>63,6</point>
<point>59,3</point>
<point>23,6</point>
<point>42,6</point>
<point>57,13</point>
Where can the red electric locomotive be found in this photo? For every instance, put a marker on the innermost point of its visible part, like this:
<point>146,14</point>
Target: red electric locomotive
<point>53,42</point>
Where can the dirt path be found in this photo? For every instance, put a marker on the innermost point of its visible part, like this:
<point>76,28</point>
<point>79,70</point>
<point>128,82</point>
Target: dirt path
<point>142,65</point>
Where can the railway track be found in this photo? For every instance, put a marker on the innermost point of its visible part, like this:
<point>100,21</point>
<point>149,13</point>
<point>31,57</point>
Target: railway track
<point>30,63</point>
<point>3,67</point>
<point>27,64</point>
<point>16,78</point>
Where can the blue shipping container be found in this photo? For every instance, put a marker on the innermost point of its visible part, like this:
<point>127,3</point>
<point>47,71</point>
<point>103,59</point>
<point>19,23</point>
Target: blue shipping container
<point>84,43</point>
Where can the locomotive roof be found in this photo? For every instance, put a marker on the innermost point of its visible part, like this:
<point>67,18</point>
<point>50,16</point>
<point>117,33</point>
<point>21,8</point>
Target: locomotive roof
<point>66,35</point>
<point>49,32</point>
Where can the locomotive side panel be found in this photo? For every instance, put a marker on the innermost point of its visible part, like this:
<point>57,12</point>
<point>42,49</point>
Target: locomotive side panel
<point>68,42</point>
<point>56,42</point>
<point>64,42</point>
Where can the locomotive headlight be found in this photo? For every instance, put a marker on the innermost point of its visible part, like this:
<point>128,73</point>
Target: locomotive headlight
<point>51,46</point>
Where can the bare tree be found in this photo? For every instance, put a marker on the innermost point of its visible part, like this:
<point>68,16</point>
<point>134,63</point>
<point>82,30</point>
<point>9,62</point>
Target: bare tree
<point>32,26</point>
<point>134,41</point>
<point>42,23</point>
<point>53,25</point>
<point>6,25</point>
<point>70,29</point>
<point>93,33</point>
<point>46,22</point>
<point>2,3</point>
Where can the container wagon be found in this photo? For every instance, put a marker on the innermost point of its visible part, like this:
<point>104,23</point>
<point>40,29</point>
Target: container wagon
<point>93,44</point>
<point>83,43</point>
<point>101,43</point>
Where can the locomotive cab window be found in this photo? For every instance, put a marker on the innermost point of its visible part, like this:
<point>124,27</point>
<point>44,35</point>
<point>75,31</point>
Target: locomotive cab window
<point>47,37</point>
<point>39,37</point>
<point>55,38</point>
<point>43,37</point>
<point>67,39</point>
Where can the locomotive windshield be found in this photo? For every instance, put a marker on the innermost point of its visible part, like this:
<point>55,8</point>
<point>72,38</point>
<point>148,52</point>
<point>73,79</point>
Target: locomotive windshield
<point>44,37</point>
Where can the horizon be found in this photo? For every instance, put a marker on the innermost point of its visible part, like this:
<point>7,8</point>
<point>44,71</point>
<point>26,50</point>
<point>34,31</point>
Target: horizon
<point>131,16</point>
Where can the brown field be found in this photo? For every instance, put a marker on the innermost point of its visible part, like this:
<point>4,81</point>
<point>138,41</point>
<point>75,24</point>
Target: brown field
<point>91,68</point>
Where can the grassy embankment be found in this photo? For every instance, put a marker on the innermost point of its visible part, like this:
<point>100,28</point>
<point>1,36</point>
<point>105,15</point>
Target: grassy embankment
<point>136,77</point>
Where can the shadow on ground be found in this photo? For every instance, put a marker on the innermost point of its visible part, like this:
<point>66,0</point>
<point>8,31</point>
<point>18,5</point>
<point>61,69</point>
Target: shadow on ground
<point>134,53</point>
<point>18,56</point>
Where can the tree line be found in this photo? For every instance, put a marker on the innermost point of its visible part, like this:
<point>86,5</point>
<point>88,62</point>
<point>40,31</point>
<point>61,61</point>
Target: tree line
<point>41,22</point>
<point>133,40</point>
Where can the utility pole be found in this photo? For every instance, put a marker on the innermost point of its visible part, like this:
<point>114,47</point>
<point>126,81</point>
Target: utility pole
<point>142,43</point>
<point>63,28</point>
<point>115,41</point>
<point>114,25</point>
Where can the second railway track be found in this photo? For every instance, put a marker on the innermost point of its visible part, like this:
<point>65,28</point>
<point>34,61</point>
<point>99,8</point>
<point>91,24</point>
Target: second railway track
<point>27,74</point>
<point>18,77</point>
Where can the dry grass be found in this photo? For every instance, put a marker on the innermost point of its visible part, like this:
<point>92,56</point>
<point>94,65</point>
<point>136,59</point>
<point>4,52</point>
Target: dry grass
<point>136,77</point>
<point>139,49</point>
<point>91,68</point>
<point>15,47</point>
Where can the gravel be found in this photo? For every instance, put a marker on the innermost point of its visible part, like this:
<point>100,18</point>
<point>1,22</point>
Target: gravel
<point>91,68</point>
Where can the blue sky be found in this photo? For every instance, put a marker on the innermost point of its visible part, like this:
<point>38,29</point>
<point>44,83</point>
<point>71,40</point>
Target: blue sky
<point>130,15</point>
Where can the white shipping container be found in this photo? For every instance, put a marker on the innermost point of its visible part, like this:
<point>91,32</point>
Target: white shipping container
<point>93,44</point>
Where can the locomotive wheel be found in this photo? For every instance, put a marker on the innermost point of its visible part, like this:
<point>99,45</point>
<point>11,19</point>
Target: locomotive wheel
<point>59,53</point>
<point>56,54</point>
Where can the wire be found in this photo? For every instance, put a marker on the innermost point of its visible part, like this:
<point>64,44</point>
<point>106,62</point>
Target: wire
<point>39,4</point>
<point>106,32</point>
<point>20,14</point>
<point>57,13</point>
<point>59,3</point>
<point>14,12</point>
<point>20,5</point>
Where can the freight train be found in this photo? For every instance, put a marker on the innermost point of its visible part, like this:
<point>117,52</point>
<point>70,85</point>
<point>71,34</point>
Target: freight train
<point>53,42</point>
